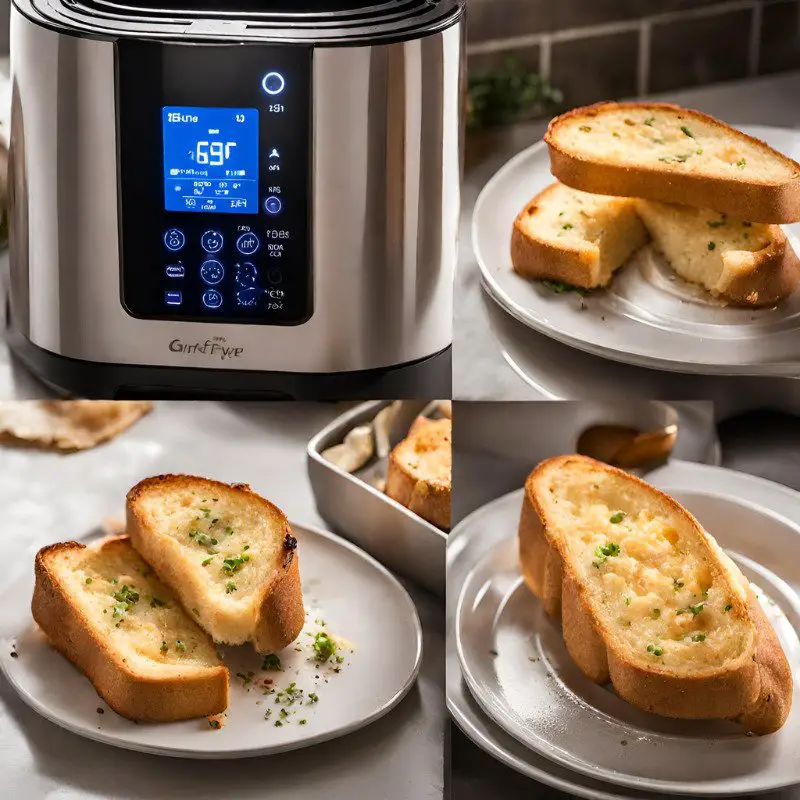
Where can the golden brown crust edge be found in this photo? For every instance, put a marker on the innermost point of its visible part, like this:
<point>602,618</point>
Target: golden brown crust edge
<point>775,277</point>
<point>757,692</point>
<point>537,260</point>
<point>431,501</point>
<point>770,203</point>
<point>281,614</point>
<point>135,697</point>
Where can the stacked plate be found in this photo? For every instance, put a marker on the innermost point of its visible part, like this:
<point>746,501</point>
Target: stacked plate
<point>647,318</point>
<point>513,689</point>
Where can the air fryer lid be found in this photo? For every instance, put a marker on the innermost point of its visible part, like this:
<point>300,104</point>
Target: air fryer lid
<point>308,21</point>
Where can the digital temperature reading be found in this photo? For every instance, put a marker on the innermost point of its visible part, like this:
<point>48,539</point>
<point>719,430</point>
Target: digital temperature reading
<point>210,159</point>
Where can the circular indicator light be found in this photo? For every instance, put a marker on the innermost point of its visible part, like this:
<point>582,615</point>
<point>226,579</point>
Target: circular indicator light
<point>174,239</point>
<point>212,272</point>
<point>273,205</point>
<point>212,298</point>
<point>211,241</point>
<point>247,243</point>
<point>273,83</point>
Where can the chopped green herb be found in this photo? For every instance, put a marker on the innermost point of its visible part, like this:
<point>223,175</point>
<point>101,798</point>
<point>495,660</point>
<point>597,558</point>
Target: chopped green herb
<point>560,288</point>
<point>214,723</point>
<point>195,612</point>
<point>585,128</point>
<point>655,650</point>
<point>712,245</point>
<point>627,601</point>
<point>88,580</point>
<point>742,163</point>
<point>693,610</point>
<point>278,723</point>
<point>687,132</point>
<point>164,647</point>
<point>271,662</point>
<point>677,584</point>
<point>567,227</point>
<point>230,586</point>
<point>179,645</point>
<point>704,594</point>
<point>268,713</point>
<point>202,539</point>
<point>231,565</point>
<point>699,637</point>
<point>323,647</point>
<point>115,580</point>
<point>717,223</point>
<point>616,135</point>
<point>727,608</point>
<point>699,152</point>
<point>617,518</point>
<point>655,613</point>
<point>629,122</point>
<point>245,678</point>
<point>649,121</point>
<point>302,722</point>
<point>156,602</point>
<point>284,713</point>
<point>126,597</point>
<point>605,551</point>
<point>207,561</point>
<point>312,697</point>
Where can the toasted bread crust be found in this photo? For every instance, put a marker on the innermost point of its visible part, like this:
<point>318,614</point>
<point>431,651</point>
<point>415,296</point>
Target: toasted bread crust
<point>535,259</point>
<point>279,615</point>
<point>429,499</point>
<point>755,689</point>
<point>195,693</point>
<point>774,277</point>
<point>757,202</point>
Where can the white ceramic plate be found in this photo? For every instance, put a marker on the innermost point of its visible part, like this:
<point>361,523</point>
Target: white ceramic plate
<point>555,371</point>
<point>646,316</point>
<point>355,596</point>
<point>548,706</point>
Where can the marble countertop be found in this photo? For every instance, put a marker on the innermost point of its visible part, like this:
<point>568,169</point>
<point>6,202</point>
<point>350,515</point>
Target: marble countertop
<point>481,370</point>
<point>395,758</point>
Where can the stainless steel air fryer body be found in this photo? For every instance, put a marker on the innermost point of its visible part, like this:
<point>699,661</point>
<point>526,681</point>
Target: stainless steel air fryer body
<point>363,279</point>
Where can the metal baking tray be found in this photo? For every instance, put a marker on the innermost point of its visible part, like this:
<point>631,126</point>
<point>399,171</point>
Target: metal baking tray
<point>359,511</point>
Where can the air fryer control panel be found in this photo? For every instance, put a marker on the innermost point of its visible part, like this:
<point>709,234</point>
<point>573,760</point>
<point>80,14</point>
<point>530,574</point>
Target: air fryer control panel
<point>214,156</point>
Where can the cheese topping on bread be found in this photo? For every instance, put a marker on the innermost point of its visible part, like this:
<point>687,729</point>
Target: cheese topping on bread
<point>427,452</point>
<point>749,262</point>
<point>226,552</point>
<point>225,543</point>
<point>656,590</point>
<point>670,139</point>
<point>575,237</point>
<point>139,616</point>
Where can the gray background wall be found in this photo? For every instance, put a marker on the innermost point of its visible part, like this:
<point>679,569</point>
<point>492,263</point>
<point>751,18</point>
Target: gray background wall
<point>606,49</point>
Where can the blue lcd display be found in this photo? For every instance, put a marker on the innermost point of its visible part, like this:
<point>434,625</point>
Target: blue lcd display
<point>210,159</point>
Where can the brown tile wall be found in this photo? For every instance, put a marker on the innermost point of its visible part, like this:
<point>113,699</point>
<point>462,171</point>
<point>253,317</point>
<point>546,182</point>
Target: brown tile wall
<point>606,49</point>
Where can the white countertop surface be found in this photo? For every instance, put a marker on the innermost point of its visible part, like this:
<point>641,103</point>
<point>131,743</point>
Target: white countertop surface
<point>396,758</point>
<point>480,368</point>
